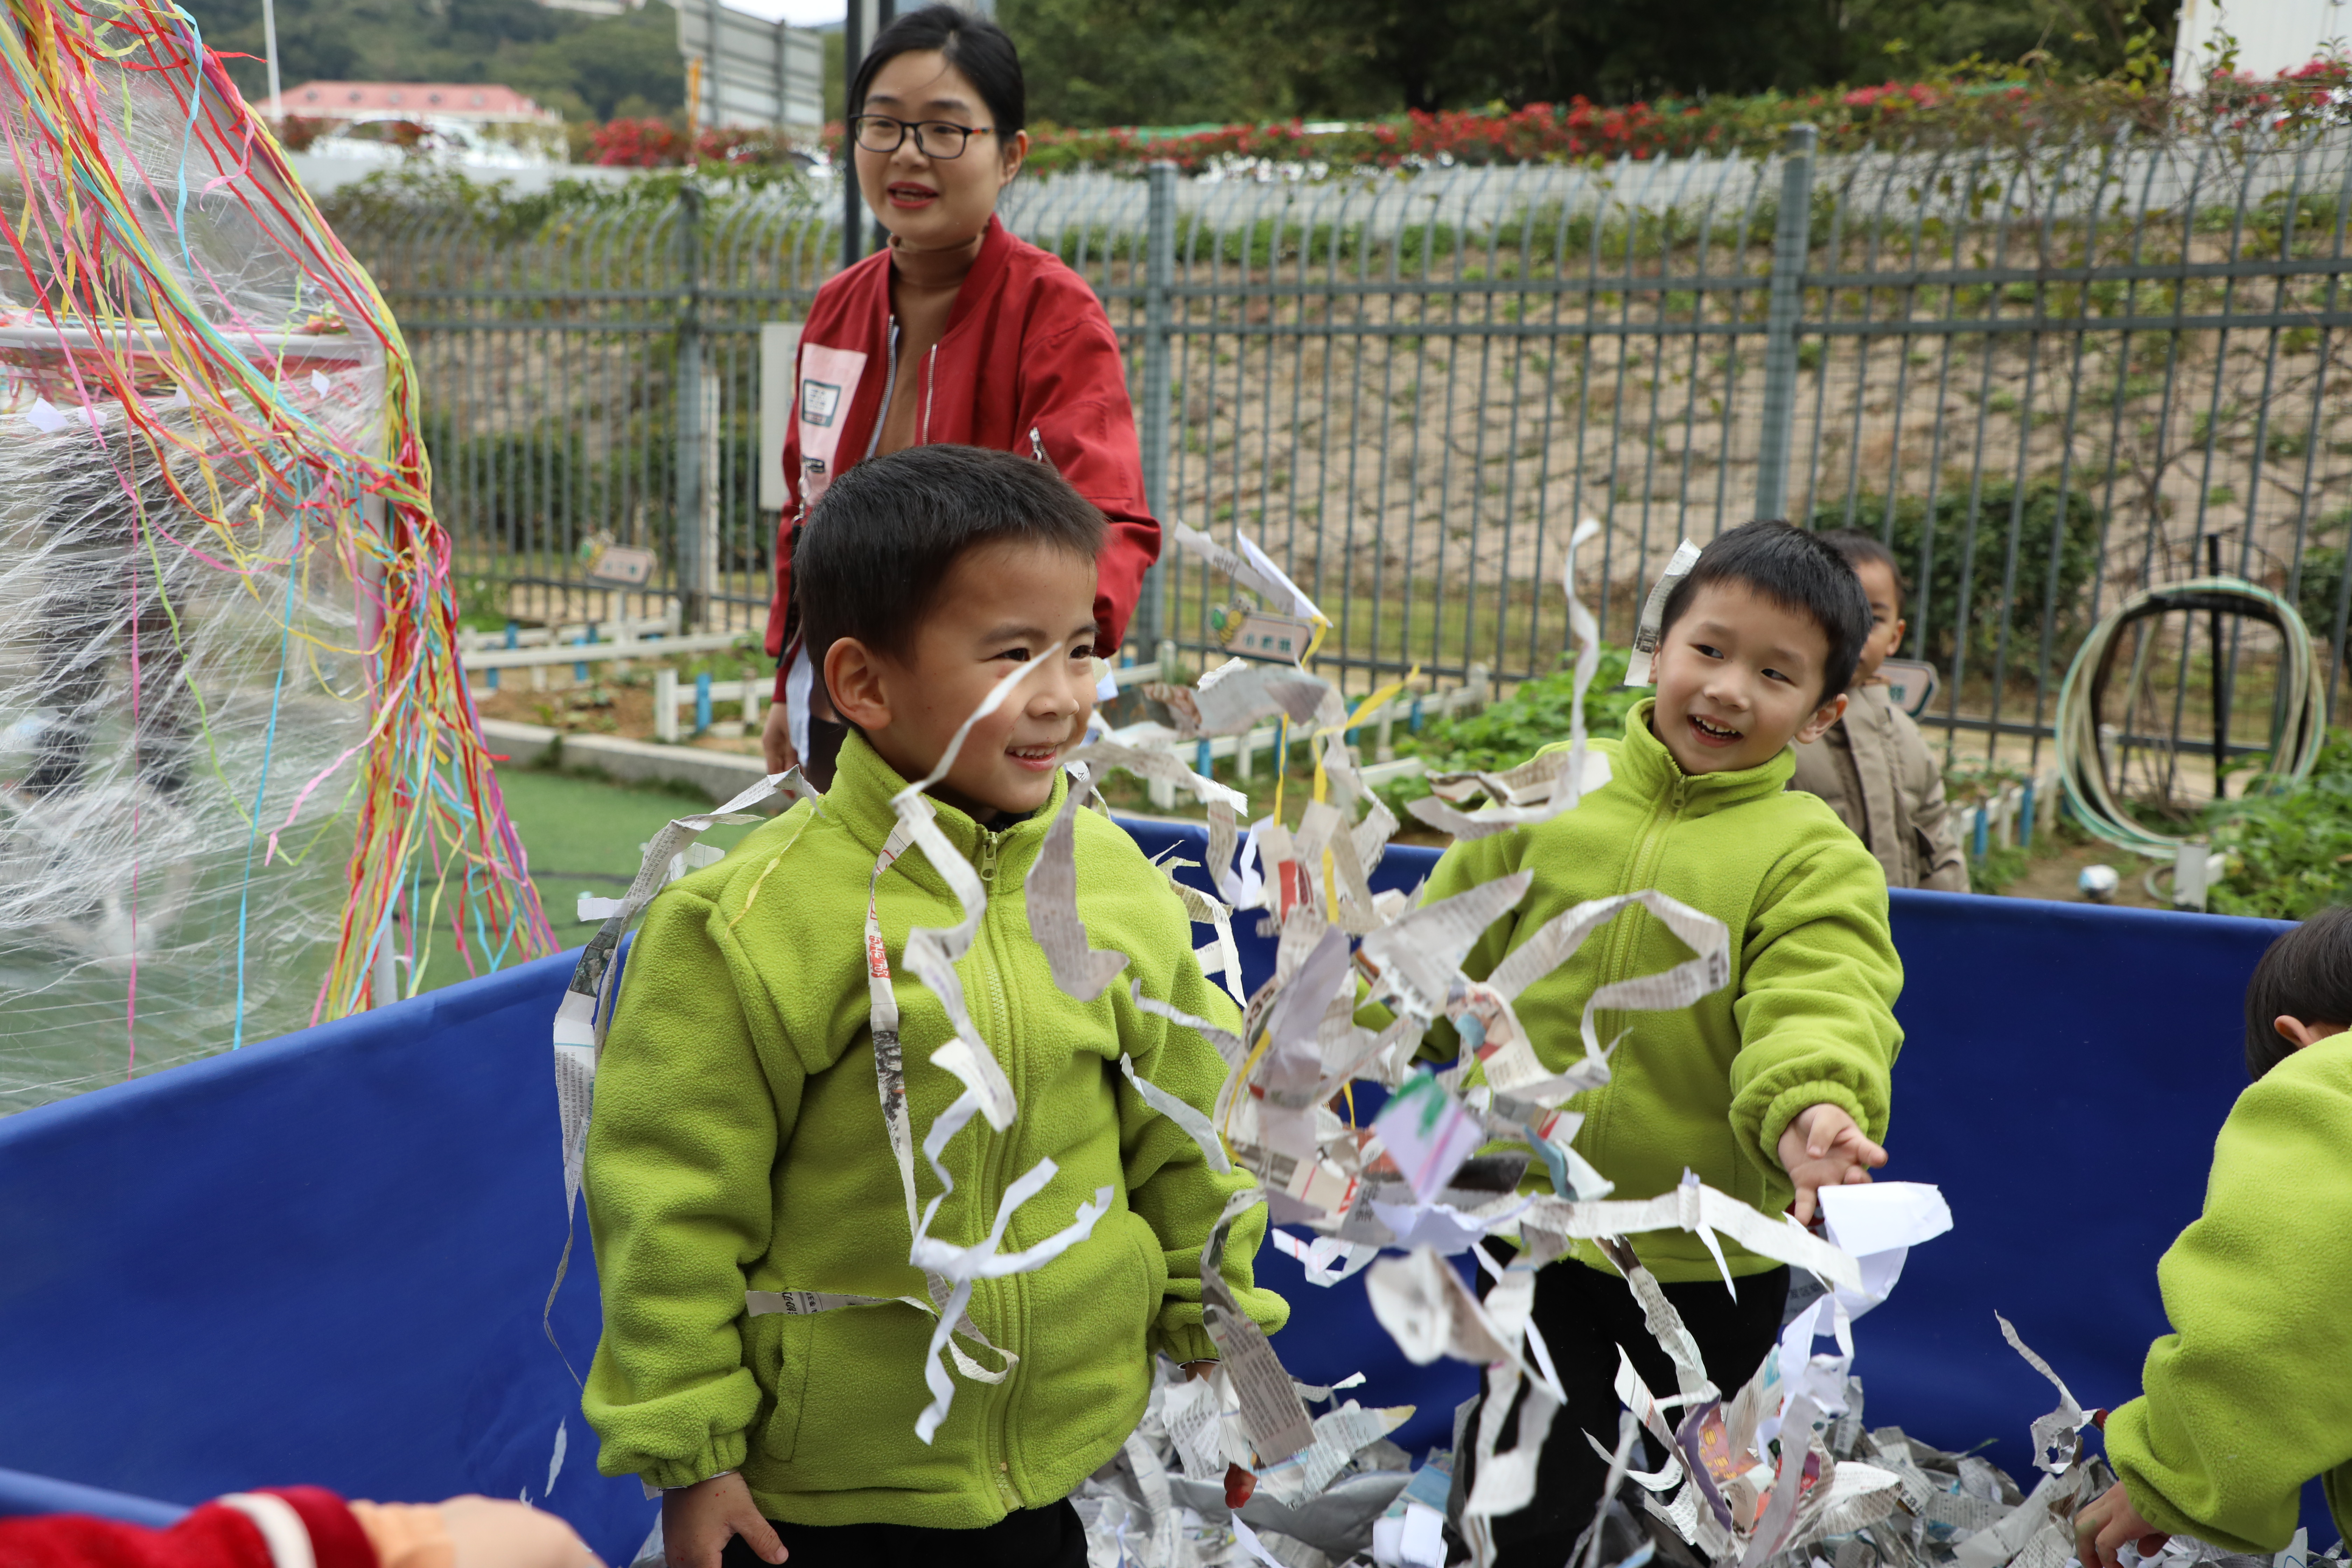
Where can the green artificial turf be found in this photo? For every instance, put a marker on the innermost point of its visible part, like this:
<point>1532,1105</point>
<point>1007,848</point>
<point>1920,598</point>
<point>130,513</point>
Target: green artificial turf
<point>580,835</point>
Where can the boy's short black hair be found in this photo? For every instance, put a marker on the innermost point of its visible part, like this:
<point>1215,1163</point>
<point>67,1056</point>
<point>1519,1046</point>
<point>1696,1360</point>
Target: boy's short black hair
<point>876,550</point>
<point>1860,549</point>
<point>2307,975</point>
<point>1796,570</point>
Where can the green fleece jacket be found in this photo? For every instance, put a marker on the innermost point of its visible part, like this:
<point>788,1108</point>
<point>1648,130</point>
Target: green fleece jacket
<point>2251,1395</point>
<point>1805,1021</point>
<point>737,1142</point>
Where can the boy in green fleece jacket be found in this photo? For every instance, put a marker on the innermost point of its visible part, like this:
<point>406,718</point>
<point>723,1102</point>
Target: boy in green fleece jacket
<point>739,1141</point>
<point>1768,1089</point>
<point>2251,1395</point>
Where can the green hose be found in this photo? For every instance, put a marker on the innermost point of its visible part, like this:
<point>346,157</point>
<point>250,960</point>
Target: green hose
<point>2298,725</point>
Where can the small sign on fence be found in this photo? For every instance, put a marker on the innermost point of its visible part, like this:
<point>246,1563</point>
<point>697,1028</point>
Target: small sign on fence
<point>1910,684</point>
<point>780,348</point>
<point>619,565</point>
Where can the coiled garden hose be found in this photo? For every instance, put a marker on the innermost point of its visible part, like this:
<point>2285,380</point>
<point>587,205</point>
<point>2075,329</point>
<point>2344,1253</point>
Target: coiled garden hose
<point>2297,723</point>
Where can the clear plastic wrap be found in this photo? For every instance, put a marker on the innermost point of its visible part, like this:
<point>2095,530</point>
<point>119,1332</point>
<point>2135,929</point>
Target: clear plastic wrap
<point>242,787</point>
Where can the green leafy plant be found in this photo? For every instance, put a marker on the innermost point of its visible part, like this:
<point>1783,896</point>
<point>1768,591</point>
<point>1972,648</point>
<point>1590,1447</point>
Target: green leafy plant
<point>1505,734</point>
<point>2323,580</point>
<point>481,602</point>
<point>2289,854</point>
<point>1997,867</point>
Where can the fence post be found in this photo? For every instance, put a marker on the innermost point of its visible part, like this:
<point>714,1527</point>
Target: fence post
<point>1791,239</point>
<point>1159,374</point>
<point>687,401</point>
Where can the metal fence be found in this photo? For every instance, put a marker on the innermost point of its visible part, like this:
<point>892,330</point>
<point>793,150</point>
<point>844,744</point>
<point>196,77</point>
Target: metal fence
<point>2047,377</point>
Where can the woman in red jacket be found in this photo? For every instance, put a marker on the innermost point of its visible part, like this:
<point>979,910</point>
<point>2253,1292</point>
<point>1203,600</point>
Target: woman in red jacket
<point>957,332</point>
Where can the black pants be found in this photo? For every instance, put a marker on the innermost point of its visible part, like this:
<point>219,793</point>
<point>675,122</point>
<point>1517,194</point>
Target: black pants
<point>1050,1537</point>
<point>1584,1315</point>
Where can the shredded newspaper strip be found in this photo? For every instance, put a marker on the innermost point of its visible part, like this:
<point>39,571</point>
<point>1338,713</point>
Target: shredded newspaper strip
<point>1779,1473</point>
<point>1650,629</point>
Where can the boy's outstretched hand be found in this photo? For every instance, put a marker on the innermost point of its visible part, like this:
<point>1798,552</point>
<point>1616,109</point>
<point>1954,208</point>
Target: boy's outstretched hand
<point>490,1532</point>
<point>1821,1147</point>
<point>698,1520</point>
<point>2105,1523</point>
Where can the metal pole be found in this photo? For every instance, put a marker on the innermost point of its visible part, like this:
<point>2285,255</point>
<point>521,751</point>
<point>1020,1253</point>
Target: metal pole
<point>1159,374</point>
<point>686,393</point>
<point>1791,239</point>
<point>710,84</point>
<point>853,210</point>
<point>270,50</point>
<point>2221,685</point>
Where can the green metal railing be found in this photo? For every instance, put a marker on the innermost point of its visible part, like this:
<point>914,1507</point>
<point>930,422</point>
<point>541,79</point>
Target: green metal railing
<point>2047,377</point>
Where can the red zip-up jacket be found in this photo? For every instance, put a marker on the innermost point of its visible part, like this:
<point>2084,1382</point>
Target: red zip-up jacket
<point>276,1528</point>
<point>1028,363</point>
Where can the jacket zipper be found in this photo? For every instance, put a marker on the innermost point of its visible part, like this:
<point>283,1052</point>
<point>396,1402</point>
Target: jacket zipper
<point>930,385</point>
<point>1619,955</point>
<point>1008,1291</point>
<point>890,382</point>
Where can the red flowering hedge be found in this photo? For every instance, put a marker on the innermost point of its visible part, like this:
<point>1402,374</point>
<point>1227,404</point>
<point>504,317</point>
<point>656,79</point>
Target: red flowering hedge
<point>1958,109</point>
<point>658,144</point>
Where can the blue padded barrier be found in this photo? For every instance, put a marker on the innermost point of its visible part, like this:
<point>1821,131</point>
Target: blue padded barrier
<point>323,1258</point>
<point>22,1495</point>
<point>320,1259</point>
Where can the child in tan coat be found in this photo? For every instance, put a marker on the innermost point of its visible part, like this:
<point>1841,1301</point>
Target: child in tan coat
<point>1872,766</point>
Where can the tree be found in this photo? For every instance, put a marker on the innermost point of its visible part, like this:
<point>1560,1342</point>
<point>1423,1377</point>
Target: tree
<point>1143,62</point>
<point>632,56</point>
<point>579,65</point>
<point>1125,62</point>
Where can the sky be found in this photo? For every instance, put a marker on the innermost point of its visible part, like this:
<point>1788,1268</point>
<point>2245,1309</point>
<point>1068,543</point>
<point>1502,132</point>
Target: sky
<point>799,13</point>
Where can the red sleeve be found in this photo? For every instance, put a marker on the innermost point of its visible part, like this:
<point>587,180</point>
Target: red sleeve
<point>213,1536</point>
<point>779,608</point>
<point>337,1540</point>
<point>1074,394</point>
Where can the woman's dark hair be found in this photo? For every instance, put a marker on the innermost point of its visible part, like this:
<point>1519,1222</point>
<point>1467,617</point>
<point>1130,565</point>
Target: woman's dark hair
<point>973,45</point>
<point>1796,571</point>
<point>875,553</point>
<point>2307,976</point>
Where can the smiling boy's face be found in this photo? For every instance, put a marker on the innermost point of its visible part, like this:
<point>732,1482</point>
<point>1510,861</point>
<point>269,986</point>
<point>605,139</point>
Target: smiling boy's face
<point>1002,606</point>
<point>1739,677</point>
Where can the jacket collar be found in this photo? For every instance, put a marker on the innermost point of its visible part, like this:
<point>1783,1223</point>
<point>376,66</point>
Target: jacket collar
<point>864,785</point>
<point>1643,762</point>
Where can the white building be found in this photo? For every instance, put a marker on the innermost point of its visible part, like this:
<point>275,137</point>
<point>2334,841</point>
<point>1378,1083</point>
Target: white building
<point>472,103</point>
<point>2271,35</point>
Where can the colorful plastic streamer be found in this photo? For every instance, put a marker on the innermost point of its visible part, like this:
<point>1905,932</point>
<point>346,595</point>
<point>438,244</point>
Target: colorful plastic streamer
<point>242,783</point>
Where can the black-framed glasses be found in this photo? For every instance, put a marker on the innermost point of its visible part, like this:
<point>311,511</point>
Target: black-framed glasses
<point>934,138</point>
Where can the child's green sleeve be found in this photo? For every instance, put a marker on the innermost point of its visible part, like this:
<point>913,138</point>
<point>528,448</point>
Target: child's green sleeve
<point>2248,1397</point>
<point>1818,977</point>
<point>680,1151</point>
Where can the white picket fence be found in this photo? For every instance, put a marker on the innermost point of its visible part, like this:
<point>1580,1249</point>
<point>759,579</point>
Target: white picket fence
<point>541,649</point>
<point>2016,816</point>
